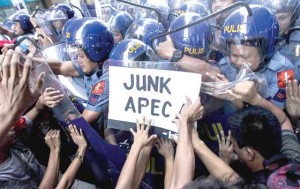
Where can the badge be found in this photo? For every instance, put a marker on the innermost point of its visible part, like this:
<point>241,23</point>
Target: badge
<point>284,76</point>
<point>93,99</point>
<point>98,88</point>
<point>280,95</point>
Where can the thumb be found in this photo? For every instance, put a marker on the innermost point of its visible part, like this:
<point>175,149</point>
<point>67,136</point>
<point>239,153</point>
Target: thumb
<point>38,88</point>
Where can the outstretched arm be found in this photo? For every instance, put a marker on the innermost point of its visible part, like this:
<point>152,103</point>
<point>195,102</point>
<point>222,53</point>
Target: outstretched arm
<point>183,173</point>
<point>166,149</point>
<point>52,139</point>
<point>69,176</point>
<point>246,92</point>
<point>217,168</point>
<point>141,139</point>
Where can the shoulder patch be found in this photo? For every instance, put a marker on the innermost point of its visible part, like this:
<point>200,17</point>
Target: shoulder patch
<point>98,88</point>
<point>284,76</point>
<point>93,99</point>
<point>280,96</point>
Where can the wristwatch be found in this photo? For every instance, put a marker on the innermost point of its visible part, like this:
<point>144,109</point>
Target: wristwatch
<point>177,55</point>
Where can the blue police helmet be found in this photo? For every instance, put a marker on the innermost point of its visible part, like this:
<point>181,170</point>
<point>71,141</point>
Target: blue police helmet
<point>145,29</point>
<point>132,50</point>
<point>121,22</point>
<point>195,40</point>
<point>92,35</point>
<point>66,26</point>
<point>66,9</point>
<point>24,21</point>
<point>194,7</point>
<point>164,10</point>
<point>260,30</point>
<point>282,6</point>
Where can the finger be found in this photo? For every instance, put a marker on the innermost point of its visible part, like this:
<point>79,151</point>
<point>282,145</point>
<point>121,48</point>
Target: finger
<point>138,126</point>
<point>70,128</point>
<point>15,64</point>
<point>27,68</point>
<point>132,131</point>
<point>234,95</point>
<point>295,88</point>
<point>289,89</point>
<point>219,141</point>
<point>5,65</point>
<point>223,138</point>
<point>212,77</point>
<point>174,138</point>
<point>38,87</point>
<point>81,132</point>
<point>53,98</point>
<point>76,130</point>
<point>52,93</point>
<point>221,77</point>
<point>188,100</point>
<point>148,125</point>
<point>228,140</point>
<point>151,138</point>
<point>143,123</point>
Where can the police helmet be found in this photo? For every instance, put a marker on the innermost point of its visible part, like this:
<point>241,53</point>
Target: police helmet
<point>121,22</point>
<point>259,30</point>
<point>132,50</point>
<point>92,35</point>
<point>24,21</point>
<point>195,40</point>
<point>144,30</point>
<point>66,9</point>
<point>194,7</point>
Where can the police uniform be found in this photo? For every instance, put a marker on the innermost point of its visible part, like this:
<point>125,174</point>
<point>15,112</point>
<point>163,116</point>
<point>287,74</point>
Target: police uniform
<point>97,90</point>
<point>289,50</point>
<point>297,70</point>
<point>273,72</point>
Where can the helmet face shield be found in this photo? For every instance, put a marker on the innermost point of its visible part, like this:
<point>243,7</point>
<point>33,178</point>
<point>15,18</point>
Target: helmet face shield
<point>286,12</point>
<point>249,40</point>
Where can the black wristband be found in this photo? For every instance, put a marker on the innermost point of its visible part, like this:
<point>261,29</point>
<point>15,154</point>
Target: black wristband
<point>36,27</point>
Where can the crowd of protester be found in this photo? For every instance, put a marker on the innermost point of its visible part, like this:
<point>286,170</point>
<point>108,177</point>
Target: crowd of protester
<point>250,74</point>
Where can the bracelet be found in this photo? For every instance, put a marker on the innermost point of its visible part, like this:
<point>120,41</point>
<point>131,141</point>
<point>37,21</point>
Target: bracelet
<point>36,27</point>
<point>79,157</point>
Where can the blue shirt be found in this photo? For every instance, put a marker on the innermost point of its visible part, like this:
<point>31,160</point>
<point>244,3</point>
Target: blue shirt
<point>276,65</point>
<point>288,50</point>
<point>97,89</point>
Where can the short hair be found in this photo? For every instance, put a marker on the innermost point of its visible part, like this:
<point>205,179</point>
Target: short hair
<point>257,128</point>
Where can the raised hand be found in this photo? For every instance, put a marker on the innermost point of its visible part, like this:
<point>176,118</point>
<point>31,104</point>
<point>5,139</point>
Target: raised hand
<point>293,98</point>
<point>192,112</point>
<point>77,136</point>
<point>16,93</point>
<point>51,97</point>
<point>226,152</point>
<point>52,139</point>
<point>141,136</point>
<point>165,148</point>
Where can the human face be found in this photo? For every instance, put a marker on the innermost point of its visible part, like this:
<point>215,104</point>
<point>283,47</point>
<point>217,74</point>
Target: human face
<point>284,20</point>
<point>238,151</point>
<point>220,4</point>
<point>17,29</point>
<point>58,25</point>
<point>240,54</point>
<point>8,140</point>
<point>85,63</point>
<point>117,36</point>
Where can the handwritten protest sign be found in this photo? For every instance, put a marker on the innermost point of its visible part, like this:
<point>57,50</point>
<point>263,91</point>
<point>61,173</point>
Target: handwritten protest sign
<point>156,94</point>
